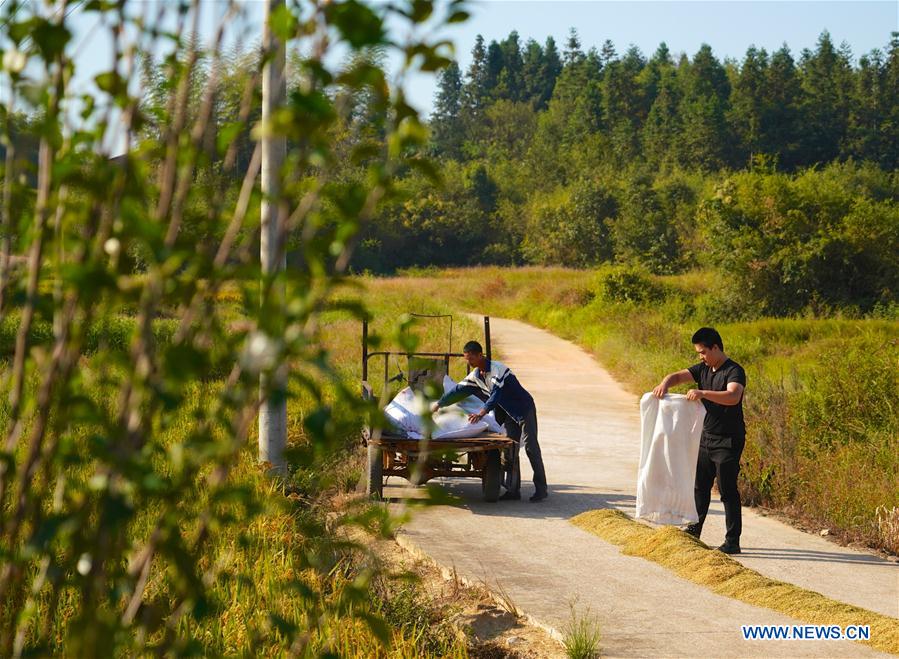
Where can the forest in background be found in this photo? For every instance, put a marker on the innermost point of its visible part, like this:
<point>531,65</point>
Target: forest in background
<point>778,170</point>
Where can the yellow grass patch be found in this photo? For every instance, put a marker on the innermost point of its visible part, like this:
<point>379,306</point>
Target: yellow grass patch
<point>691,560</point>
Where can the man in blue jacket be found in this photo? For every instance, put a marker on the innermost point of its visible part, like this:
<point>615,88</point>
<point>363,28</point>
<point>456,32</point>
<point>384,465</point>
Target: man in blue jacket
<point>499,389</point>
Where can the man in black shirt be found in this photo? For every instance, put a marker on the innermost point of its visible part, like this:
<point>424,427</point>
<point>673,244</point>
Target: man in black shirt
<point>721,381</point>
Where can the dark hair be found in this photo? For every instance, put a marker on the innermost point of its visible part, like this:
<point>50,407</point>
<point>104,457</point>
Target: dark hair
<point>708,336</point>
<point>473,346</point>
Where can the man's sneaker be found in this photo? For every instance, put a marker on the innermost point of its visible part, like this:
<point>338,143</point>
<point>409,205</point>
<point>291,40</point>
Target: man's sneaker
<point>510,496</point>
<point>693,529</point>
<point>538,496</point>
<point>729,548</point>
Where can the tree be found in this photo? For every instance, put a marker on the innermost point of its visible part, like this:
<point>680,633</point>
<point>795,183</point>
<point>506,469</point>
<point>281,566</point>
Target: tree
<point>540,69</point>
<point>607,53</point>
<point>826,85</point>
<point>642,233</point>
<point>510,83</point>
<point>476,91</point>
<point>569,227</point>
<point>651,75</point>
<point>662,132</point>
<point>573,53</point>
<point>446,120</point>
<point>780,124</point>
<point>890,158</point>
<point>748,98</point>
<point>707,138</point>
<point>622,103</point>
<point>496,62</point>
<point>867,114</point>
<point>129,504</point>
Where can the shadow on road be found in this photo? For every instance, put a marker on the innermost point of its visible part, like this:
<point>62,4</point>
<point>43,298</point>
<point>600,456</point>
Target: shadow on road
<point>564,501</point>
<point>783,554</point>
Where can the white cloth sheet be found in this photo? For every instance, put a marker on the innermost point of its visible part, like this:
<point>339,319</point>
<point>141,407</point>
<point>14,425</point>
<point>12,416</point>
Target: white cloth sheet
<point>671,428</point>
<point>473,404</point>
<point>406,409</point>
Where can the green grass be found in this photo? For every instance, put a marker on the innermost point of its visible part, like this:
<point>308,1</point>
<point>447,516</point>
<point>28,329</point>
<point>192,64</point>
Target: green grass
<point>691,560</point>
<point>263,590</point>
<point>581,634</point>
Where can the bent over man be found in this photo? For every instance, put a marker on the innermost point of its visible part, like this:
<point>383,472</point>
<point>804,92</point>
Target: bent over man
<point>721,382</point>
<point>498,388</point>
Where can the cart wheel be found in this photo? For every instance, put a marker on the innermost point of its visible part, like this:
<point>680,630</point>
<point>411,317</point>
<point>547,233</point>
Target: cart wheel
<point>493,472</point>
<point>375,484</point>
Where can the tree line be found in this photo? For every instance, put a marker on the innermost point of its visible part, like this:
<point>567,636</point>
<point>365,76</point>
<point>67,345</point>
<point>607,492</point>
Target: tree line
<point>692,112</point>
<point>565,157</point>
<point>777,168</point>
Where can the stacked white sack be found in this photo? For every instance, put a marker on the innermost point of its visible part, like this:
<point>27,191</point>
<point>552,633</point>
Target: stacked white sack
<point>671,428</point>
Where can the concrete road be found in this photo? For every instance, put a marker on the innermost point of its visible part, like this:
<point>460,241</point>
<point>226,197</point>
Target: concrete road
<point>589,433</point>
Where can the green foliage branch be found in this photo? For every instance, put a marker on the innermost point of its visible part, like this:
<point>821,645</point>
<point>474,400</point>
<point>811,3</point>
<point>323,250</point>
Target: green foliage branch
<point>119,452</point>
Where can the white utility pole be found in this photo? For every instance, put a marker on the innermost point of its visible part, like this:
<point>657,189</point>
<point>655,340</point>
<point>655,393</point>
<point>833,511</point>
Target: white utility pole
<point>273,413</point>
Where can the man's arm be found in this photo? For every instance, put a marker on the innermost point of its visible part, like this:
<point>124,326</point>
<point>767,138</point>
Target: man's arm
<point>672,380</point>
<point>732,396</point>
<point>457,393</point>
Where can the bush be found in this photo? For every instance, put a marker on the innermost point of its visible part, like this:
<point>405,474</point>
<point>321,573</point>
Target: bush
<point>627,284</point>
<point>817,241</point>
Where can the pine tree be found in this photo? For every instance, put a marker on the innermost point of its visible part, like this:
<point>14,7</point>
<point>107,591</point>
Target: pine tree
<point>662,131</point>
<point>826,84</point>
<point>607,54</point>
<point>748,102</point>
<point>890,93</point>
<point>532,73</point>
<point>622,103</point>
<point>864,139</point>
<point>446,123</point>
<point>510,84</point>
<point>652,74</point>
<point>707,138</point>
<point>552,69</point>
<point>573,53</point>
<point>476,92</point>
<point>780,123</point>
<point>495,65</point>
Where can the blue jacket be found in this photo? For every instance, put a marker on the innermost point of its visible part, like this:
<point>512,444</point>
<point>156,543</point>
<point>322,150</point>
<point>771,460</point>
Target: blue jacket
<point>497,387</point>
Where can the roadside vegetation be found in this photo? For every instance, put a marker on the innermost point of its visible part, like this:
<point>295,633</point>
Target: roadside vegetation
<point>136,325</point>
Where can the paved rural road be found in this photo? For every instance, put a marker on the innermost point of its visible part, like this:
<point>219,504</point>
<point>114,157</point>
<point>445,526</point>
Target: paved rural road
<point>589,433</point>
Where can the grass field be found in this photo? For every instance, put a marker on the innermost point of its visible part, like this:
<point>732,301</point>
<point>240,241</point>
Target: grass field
<point>279,576</point>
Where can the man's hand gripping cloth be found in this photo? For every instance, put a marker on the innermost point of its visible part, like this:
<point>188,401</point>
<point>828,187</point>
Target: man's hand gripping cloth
<point>671,428</point>
<point>473,405</point>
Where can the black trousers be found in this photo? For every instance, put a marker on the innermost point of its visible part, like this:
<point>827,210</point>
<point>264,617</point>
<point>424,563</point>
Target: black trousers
<point>719,457</point>
<point>524,433</point>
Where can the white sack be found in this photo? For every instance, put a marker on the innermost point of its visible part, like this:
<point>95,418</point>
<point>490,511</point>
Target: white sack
<point>452,423</point>
<point>473,404</point>
<point>403,413</point>
<point>671,428</point>
<point>400,414</point>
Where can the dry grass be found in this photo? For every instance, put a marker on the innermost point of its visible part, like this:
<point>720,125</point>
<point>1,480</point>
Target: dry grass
<point>691,560</point>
